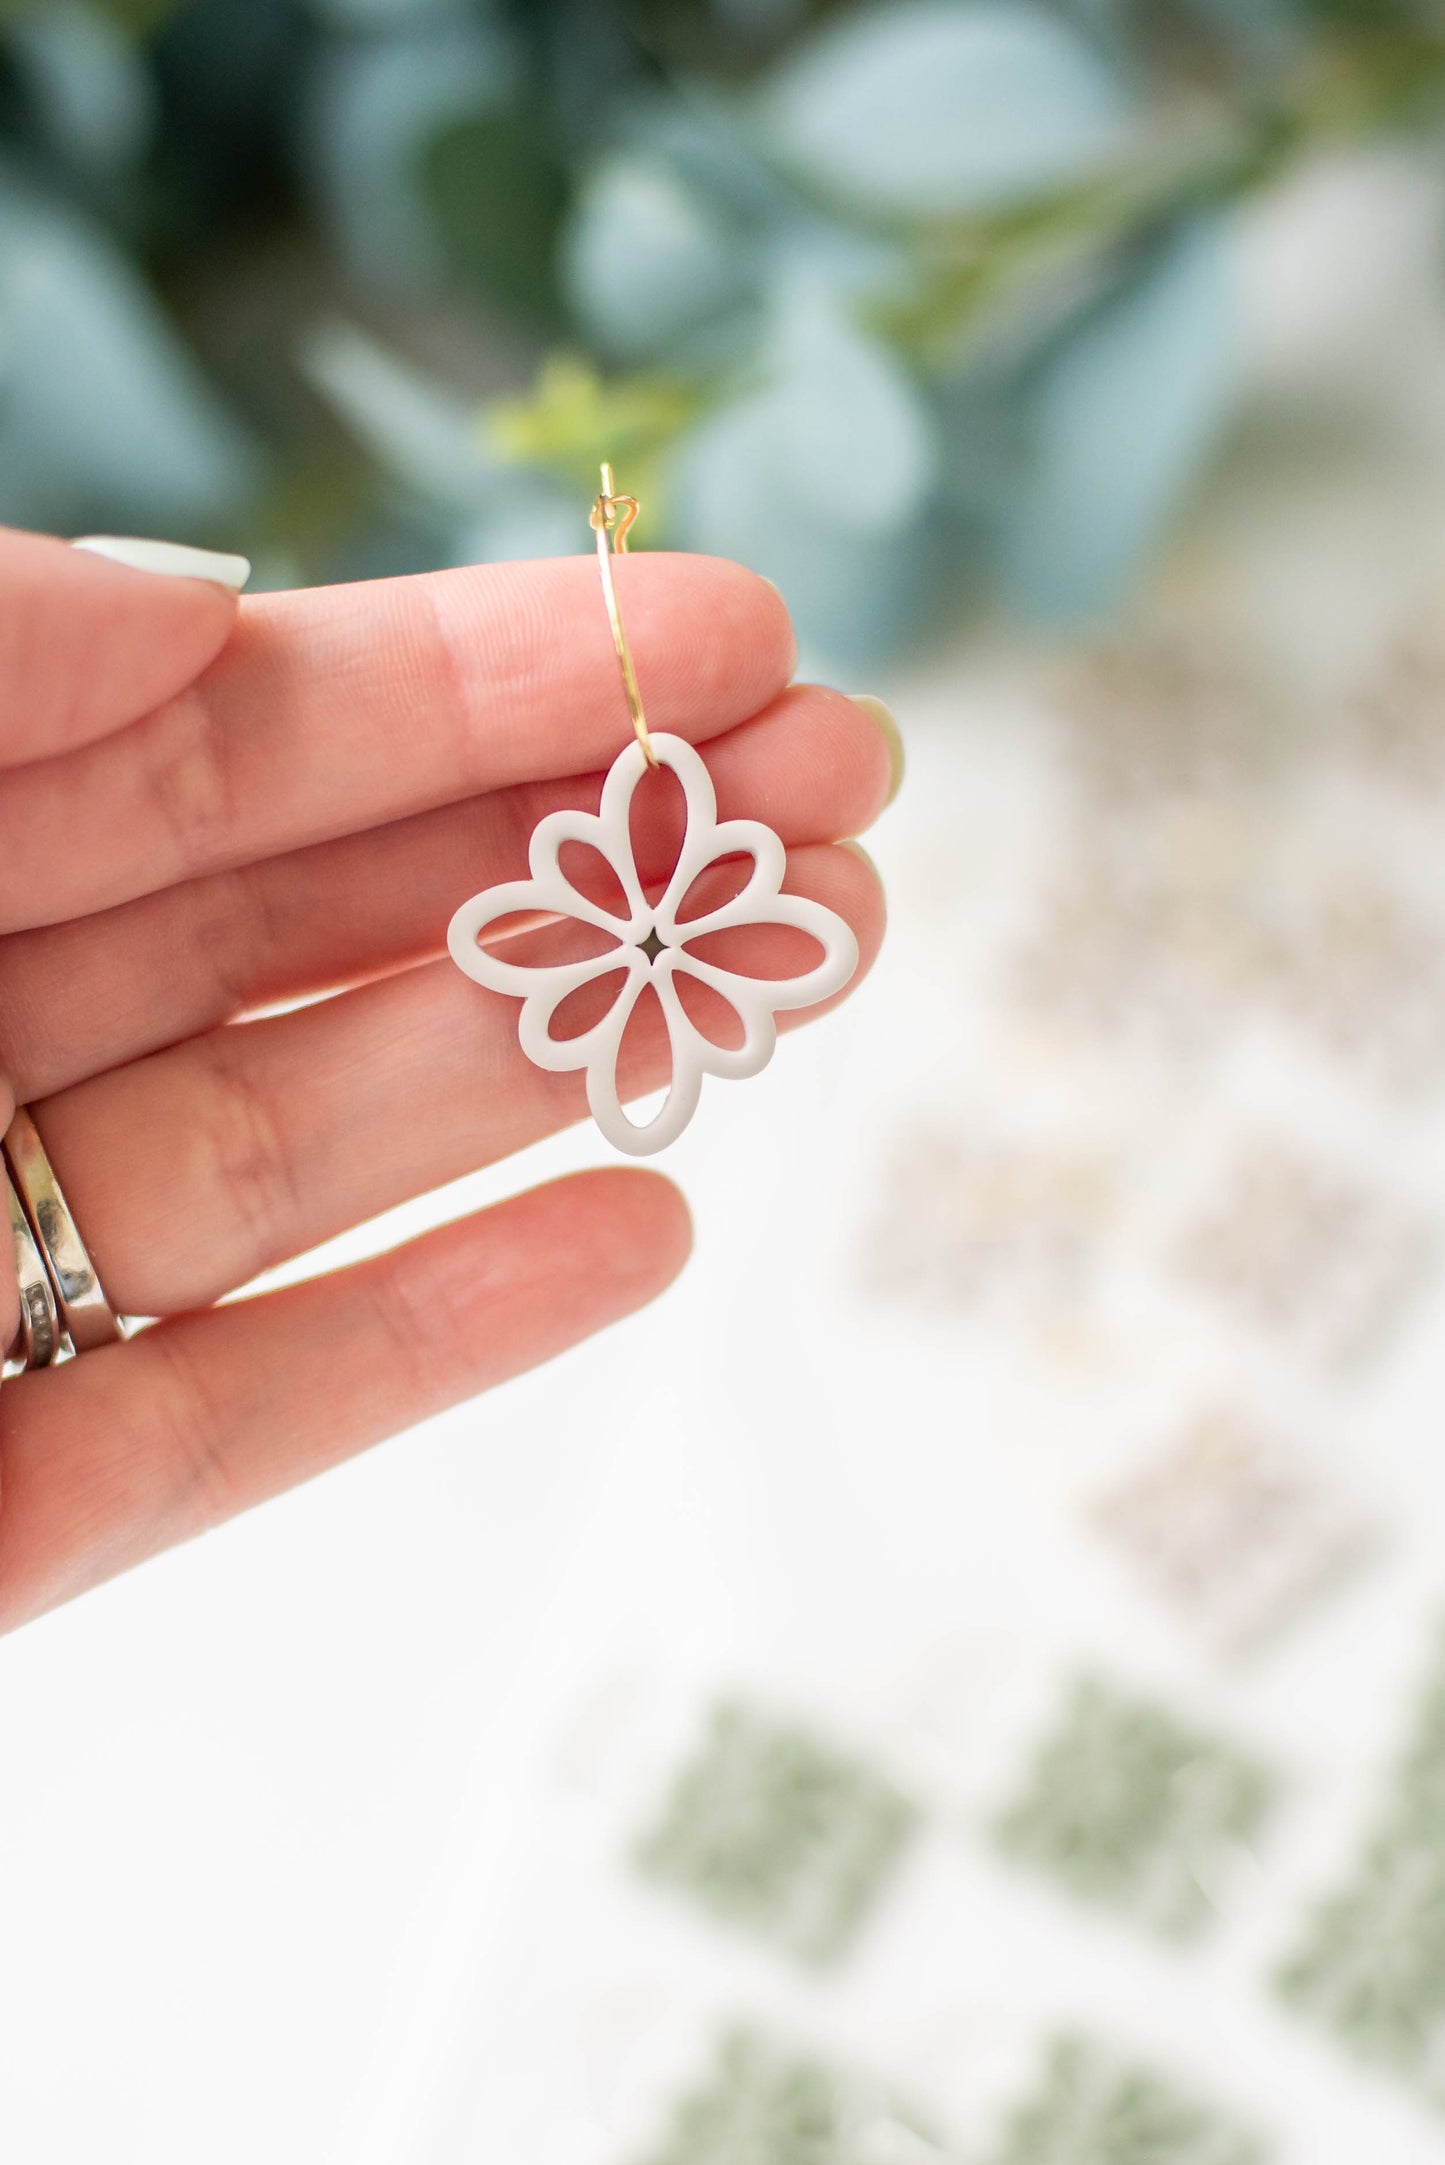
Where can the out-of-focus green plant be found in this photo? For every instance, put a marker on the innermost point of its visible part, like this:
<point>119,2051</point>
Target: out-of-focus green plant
<point>892,300</point>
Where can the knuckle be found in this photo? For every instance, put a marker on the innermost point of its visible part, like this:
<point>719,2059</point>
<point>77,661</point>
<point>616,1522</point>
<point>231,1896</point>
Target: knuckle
<point>428,1321</point>
<point>186,785</point>
<point>194,1430</point>
<point>455,710</point>
<point>251,1162</point>
<point>234,929</point>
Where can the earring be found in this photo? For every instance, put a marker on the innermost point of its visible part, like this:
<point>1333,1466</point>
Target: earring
<point>650,942</point>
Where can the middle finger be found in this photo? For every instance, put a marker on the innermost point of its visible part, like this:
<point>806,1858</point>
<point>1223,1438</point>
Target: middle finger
<point>78,998</point>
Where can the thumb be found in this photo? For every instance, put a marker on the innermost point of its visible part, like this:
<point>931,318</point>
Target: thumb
<point>95,635</point>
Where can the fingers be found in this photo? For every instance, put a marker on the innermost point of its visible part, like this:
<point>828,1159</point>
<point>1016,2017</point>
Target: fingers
<point>342,708</point>
<point>87,645</point>
<point>192,1171</point>
<point>78,998</point>
<point>129,1450</point>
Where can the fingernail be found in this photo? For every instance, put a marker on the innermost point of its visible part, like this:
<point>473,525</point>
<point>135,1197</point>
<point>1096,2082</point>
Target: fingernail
<point>892,736</point>
<point>852,843</point>
<point>774,587</point>
<point>172,559</point>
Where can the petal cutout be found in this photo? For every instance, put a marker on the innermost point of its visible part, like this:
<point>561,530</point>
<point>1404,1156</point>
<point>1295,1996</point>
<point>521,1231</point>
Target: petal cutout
<point>760,1034</point>
<point>640,1139</point>
<point>488,968</point>
<point>544,857</point>
<point>731,875</point>
<point>801,914</point>
<point>597,1046</point>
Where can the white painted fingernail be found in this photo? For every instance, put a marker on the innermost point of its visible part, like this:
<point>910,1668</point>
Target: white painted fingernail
<point>172,559</point>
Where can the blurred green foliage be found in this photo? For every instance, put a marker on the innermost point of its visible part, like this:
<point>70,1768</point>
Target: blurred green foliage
<point>900,302</point>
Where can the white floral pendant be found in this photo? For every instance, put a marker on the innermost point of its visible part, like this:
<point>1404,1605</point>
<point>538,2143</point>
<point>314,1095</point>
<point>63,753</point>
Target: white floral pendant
<point>651,945</point>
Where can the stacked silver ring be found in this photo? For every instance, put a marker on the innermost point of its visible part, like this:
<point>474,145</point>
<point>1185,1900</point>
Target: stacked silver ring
<point>63,1308</point>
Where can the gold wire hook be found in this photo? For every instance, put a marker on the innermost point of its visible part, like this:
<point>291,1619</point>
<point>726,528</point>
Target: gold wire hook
<point>611,520</point>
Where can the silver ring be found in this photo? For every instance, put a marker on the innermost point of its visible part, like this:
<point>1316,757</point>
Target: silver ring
<point>38,1340</point>
<point>86,1315</point>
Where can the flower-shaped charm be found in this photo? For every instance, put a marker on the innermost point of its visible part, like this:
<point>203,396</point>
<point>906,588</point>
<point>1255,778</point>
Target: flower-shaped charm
<point>652,946</point>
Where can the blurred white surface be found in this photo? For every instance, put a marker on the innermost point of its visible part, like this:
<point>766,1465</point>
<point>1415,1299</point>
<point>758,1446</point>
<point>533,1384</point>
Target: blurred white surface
<point>313,1831</point>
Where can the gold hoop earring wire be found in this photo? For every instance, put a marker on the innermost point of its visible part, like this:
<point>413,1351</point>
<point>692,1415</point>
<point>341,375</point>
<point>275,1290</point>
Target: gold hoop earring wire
<point>611,520</point>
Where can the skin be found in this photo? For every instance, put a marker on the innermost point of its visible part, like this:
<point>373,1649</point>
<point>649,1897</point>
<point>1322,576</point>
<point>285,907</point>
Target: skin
<point>209,809</point>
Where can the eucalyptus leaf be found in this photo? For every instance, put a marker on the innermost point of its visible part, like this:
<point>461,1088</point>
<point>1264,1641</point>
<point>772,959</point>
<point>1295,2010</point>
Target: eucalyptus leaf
<point>819,480</point>
<point>930,107</point>
<point>805,252</point>
<point>645,262</point>
<point>374,106</point>
<point>104,417</point>
<point>86,84</point>
<point>711,143</point>
<point>1120,417</point>
<point>853,592</point>
<point>983,444</point>
<point>852,434</point>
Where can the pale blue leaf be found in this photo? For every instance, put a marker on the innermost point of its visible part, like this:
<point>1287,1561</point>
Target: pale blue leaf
<point>932,107</point>
<point>804,252</point>
<point>646,263</point>
<point>86,82</point>
<point>853,436</point>
<point>1120,418</point>
<point>853,591</point>
<point>103,415</point>
<point>374,105</point>
<point>423,434</point>
<point>982,436</point>
<point>712,147</point>
<point>819,481</point>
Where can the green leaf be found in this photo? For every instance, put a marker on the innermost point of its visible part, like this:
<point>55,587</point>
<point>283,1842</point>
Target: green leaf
<point>575,417</point>
<point>499,193</point>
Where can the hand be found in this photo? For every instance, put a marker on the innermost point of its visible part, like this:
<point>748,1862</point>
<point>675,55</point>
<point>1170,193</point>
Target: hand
<point>207,812</point>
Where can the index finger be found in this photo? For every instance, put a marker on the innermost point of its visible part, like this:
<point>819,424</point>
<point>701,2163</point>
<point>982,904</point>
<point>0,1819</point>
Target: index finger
<point>342,708</point>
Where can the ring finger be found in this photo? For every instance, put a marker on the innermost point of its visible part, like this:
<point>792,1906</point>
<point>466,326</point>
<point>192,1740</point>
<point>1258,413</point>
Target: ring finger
<point>195,1169</point>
